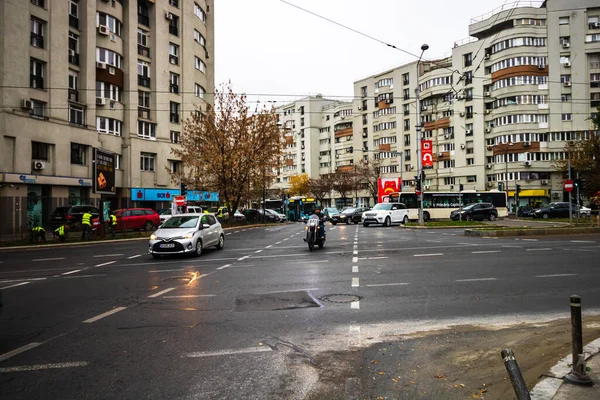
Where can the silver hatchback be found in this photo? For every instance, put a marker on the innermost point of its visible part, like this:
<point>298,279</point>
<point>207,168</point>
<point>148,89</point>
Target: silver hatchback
<point>186,234</point>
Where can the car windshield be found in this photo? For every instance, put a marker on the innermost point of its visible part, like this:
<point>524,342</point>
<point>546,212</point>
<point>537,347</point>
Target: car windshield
<point>382,206</point>
<point>469,207</point>
<point>271,211</point>
<point>181,222</point>
<point>348,210</point>
<point>332,210</point>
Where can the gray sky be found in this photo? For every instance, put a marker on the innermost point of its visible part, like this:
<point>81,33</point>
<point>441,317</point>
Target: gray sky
<point>269,47</point>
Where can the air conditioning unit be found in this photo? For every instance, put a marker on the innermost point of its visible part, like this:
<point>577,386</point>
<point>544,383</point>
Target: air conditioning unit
<point>544,181</point>
<point>462,146</point>
<point>388,101</point>
<point>490,147</point>
<point>440,154</point>
<point>566,45</point>
<point>468,132</point>
<point>363,95</point>
<point>320,158</point>
<point>412,167</point>
<point>541,66</point>
<point>38,165</point>
<point>596,25</point>
<point>169,16</point>
<point>526,144</point>
<point>490,184</point>
<point>423,108</point>
<point>567,84</point>
<point>359,108</point>
<point>412,183</point>
<point>527,163</point>
<point>427,187</point>
<point>337,156</point>
<point>488,111</point>
<point>103,30</point>
<point>462,114</point>
<point>27,104</point>
<point>488,166</point>
<point>100,65</point>
<point>556,195</point>
<point>342,117</point>
<point>488,130</point>
<point>487,56</point>
<point>100,101</point>
<point>567,64</point>
<point>376,91</point>
<point>71,53</point>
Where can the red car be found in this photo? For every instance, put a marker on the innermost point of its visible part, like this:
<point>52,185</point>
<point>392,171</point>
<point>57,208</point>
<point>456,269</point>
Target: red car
<point>133,218</point>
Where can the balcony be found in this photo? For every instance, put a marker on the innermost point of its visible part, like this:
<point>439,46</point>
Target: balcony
<point>36,82</point>
<point>73,21</point>
<point>144,20</point>
<point>74,58</point>
<point>173,30</point>
<point>37,40</point>
<point>143,81</point>
<point>143,113</point>
<point>174,88</point>
<point>595,65</point>
<point>143,51</point>
<point>174,118</point>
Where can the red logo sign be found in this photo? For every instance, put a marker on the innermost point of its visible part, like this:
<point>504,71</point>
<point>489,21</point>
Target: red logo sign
<point>427,153</point>
<point>386,186</point>
<point>568,185</point>
<point>179,200</point>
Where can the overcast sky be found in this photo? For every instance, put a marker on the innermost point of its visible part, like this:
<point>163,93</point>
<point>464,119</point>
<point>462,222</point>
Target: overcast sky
<point>271,48</point>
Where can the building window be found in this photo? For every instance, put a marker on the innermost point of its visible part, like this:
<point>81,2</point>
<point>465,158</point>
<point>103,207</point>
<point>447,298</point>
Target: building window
<point>143,74</point>
<point>142,41</point>
<point>406,93</point>
<point>468,59</point>
<point>109,126</point>
<point>37,33</point>
<point>406,79</point>
<point>406,125</point>
<point>563,20</point>
<point>199,91</point>
<point>471,178</point>
<point>147,130</point>
<point>117,161</point>
<point>74,14</point>
<point>143,13</point>
<point>173,54</point>
<point>174,112</point>
<point>114,25</point>
<point>174,3</point>
<point>37,74</point>
<point>39,151</point>
<point>76,114</point>
<point>469,111</point>
<point>174,166</point>
<point>566,117</point>
<point>73,85</point>
<point>173,83</point>
<point>469,94</point>
<point>143,104</point>
<point>175,137</point>
<point>108,91</point>
<point>565,97</point>
<point>199,12</point>
<point>470,161</point>
<point>174,25</point>
<point>78,153</point>
<point>73,48</point>
<point>39,3</point>
<point>39,109</point>
<point>199,64</point>
<point>109,57</point>
<point>199,38</point>
<point>468,77</point>
<point>565,78</point>
<point>147,161</point>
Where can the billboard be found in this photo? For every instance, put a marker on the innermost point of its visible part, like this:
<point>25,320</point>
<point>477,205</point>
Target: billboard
<point>386,186</point>
<point>104,172</point>
<point>153,194</point>
<point>427,153</point>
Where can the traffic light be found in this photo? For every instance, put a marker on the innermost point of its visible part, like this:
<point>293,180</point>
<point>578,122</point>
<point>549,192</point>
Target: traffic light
<point>461,187</point>
<point>518,188</point>
<point>418,186</point>
<point>183,188</point>
<point>501,186</point>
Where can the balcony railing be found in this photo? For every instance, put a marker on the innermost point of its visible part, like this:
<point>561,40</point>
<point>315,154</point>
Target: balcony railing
<point>174,88</point>
<point>173,30</point>
<point>74,59</point>
<point>36,82</point>
<point>143,51</point>
<point>73,21</point>
<point>73,95</point>
<point>174,117</point>
<point>37,40</point>
<point>143,81</point>
<point>144,20</point>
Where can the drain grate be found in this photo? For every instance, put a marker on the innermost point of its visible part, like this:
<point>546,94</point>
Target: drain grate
<point>182,279</point>
<point>340,298</point>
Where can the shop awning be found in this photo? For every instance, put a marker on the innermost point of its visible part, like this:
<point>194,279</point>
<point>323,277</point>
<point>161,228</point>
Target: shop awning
<point>530,193</point>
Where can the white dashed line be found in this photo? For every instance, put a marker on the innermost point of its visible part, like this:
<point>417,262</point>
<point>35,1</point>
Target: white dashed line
<point>269,246</point>
<point>355,305</point>
<point>228,233</point>
<point>20,350</point>
<point>428,255</point>
<point>434,241</point>
<point>554,275</point>
<point>476,280</point>
<point>544,249</point>
<point>40,367</point>
<point>278,243</point>
<point>228,352</point>
<point>108,255</point>
<point>106,263</point>
<point>22,280</point>
<point>355,252</point>
<point>512,247</point>
<point>162,292</point>
<point>377,258</point>
<point>236,231</point>
<point>104,315</point>
<point>71,272</point>
<point>136,256</point>
<point>355,269</point>
<point>242,258</point>
<point>485,251</point>
<point>189,296</point>
<point>224,266</point>
<point>49,259</point>
<point>15,285</point>
<point>258,251</point>
<point>84,276</point>
<point>530,240</point>
<point>355,282</point>
<point>582,241</point>
<point>165,270</point>
<point>388,284</point>
<point>354,334</point>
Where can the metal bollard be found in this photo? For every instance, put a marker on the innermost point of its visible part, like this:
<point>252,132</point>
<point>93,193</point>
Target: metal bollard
<point>514,374</point>
<point>578,374</point>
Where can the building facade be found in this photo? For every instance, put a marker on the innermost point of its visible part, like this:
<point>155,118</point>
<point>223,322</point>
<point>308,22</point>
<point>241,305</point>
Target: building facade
<point>116,75</point>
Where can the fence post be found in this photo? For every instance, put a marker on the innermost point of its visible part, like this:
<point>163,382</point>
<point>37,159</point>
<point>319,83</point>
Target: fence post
<point>578,374</point>
<point>514,374</point>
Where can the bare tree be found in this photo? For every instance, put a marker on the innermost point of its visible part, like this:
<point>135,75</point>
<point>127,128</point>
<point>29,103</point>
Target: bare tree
<point>368,173</point>
<point>343,183</point>
<point>320,187</point>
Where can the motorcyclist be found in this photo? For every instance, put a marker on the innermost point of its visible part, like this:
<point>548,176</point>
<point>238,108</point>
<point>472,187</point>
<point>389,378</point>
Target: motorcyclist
<point>322,219</point>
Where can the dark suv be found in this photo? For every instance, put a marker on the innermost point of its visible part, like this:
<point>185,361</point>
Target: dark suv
<point>475,211</point>
<point>554,210</point>
<point>59,216</point>
<point>352,214</point>
<point>75,214</point>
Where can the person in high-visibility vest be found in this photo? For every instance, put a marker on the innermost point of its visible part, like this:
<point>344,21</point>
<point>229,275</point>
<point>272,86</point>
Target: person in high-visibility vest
<point>61,233</point>
<point>86,225</point>
<point>112,224</point>
<point>38,234</point>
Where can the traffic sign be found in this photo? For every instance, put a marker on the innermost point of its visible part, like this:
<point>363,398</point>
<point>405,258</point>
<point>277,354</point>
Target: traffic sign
<point>418,192</point>
<point>568,186</point>
<point>179,200</point>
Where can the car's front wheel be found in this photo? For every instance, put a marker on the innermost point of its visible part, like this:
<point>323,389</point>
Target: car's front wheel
<point>221,243</point>
<point>149,226</point>
<point>387,222</point>
<point>348,220</point>
<point>405,220</point>
<point>198,250</point>
<point>545,216</point>
<point>492,217</point>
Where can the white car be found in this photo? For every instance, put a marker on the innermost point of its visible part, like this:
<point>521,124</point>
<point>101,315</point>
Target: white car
<point>386,214</point>
<point>168,213</point>
<point>282,217</point>
<point>186,234</point>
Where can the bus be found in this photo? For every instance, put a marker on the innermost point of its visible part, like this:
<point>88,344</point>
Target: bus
<point>438,205</point>
<point>299,206</point>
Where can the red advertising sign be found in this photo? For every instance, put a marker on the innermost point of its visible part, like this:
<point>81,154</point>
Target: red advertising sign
<point>427,153</point>
<point>386,186</point>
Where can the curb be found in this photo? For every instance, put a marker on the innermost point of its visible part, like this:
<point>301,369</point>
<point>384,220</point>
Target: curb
<point>443,227</point>
<point>552,380</point>
<point>530,232</point>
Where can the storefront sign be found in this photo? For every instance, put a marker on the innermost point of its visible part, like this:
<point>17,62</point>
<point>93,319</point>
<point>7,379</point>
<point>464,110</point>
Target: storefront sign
<point>387,186</point>
<point>8,177</point>
<point>195,195</point>
<point>427,153</point>
<point>152,194</point>
<point>104,172</point>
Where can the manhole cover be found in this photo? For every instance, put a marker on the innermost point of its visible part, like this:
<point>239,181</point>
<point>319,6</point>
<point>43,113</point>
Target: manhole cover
<point>340,298</point>
<point>182,279</point>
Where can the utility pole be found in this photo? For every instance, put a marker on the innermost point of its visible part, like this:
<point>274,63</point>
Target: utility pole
<point>569,193</point>
<point>419,139</point>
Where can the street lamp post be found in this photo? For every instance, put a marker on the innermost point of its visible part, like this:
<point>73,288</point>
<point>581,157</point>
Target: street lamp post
<point>506,147</point>
<point>419,156</point>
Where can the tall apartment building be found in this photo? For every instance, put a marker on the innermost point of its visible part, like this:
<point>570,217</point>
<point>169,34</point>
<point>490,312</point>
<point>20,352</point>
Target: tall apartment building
<point>116,75</point>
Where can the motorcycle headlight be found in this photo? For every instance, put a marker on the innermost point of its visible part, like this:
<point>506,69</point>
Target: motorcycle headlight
<point>153,237</point>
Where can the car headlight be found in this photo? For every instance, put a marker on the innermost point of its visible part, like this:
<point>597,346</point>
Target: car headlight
<point>153,237</point>
<point>188,235</point>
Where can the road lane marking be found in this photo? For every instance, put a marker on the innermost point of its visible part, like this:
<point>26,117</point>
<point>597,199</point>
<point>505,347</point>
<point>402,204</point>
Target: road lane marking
<point>476,280</point>
<point>434,241</point>
<point>512,247</point>
<point>15,285</point>
<point>269,246</point>
<point>104,315</point>
<point>228,233</point>
<point>165,270</point>
<point>310,262</point>
<point>278,243</point>
<point>582,241</point>
<point>108,255</point>
<point>354,259</point>
<point>236,231</point>
<point>485,251</point>
<point>49,259</point>
<point>20,350</point>
<point>355,282</point>
<point>554,275</point>
<point>106,263</point>
<point>228,352</point>
<point>530,240</point>
<point>84,276</point>
<point>39,367</point>
<point>189,296</point>
<point>355,246</point>
<point>449,234</point>
<point>22,279</point>
<point>162,292</point>
<point>355,252</point>
<point>241,266</point>
<point>428,255</point>
<point>224,266</point>
<point>355,269</point>
<point>544,249</point>
<point>388,284</point>
<point>354,333</point>
<point>71,272</point>
<point>136,256</point>
<point>242,258</point>
<point>377,258</point>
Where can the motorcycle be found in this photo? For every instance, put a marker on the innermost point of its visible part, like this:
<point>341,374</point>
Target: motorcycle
<point>313,233</point>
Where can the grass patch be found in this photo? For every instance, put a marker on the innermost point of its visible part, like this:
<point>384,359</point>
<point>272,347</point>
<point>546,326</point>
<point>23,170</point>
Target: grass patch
<point>446,223</point>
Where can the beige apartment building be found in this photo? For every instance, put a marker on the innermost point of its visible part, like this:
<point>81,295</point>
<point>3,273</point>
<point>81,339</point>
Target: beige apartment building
<point>115,75</point>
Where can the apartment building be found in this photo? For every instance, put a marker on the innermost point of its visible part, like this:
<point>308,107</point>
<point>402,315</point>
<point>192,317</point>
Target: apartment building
<point>119,76</point>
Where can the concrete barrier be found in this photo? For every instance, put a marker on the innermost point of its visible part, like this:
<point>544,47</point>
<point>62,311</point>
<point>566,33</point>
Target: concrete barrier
<point>530,232</point>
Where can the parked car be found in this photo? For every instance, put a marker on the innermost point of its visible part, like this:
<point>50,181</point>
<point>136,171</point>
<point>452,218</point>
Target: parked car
<point>75,214</point>
<point>281,217</point>
<point>238,216</point>
<point>186,234</point>
<point>386,214</point>
<point>330,212</point>
<point>585,211</point>
<point>475,211</point>
<point>559,209</point>
<point>189,210</point>
<point>526,211</point>
<point>256,215</point>
<point>59,216</point>
<point>133,218</point>
<point>224,211</point>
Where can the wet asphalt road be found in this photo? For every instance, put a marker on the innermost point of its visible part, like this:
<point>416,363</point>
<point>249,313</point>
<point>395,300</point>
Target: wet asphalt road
<point>107,321</point>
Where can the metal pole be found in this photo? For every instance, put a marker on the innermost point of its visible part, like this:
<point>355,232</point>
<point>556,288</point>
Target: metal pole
<point>514,374</point>
<point>506,169</point>
<point>578,374</point>
<point>569,193</point>
<point>419,156</point>
<point>400,166</point>
<point>578,207</point>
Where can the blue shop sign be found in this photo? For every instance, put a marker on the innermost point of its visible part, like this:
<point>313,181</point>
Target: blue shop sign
<point>151,194</point>
<point>195,195</point>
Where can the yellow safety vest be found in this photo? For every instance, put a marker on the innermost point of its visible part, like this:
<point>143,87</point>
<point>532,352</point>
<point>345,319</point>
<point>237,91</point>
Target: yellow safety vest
<point>86,219</point>
<point>38,229</point>
<point>60,231</point>
<point>113,220</point>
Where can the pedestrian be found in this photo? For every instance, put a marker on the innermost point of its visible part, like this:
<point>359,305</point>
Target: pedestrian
<point>86,226</point>
<point>38,234</point>
<point>61,233</point>
<point>595,211</point>
<point>112,224</point>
